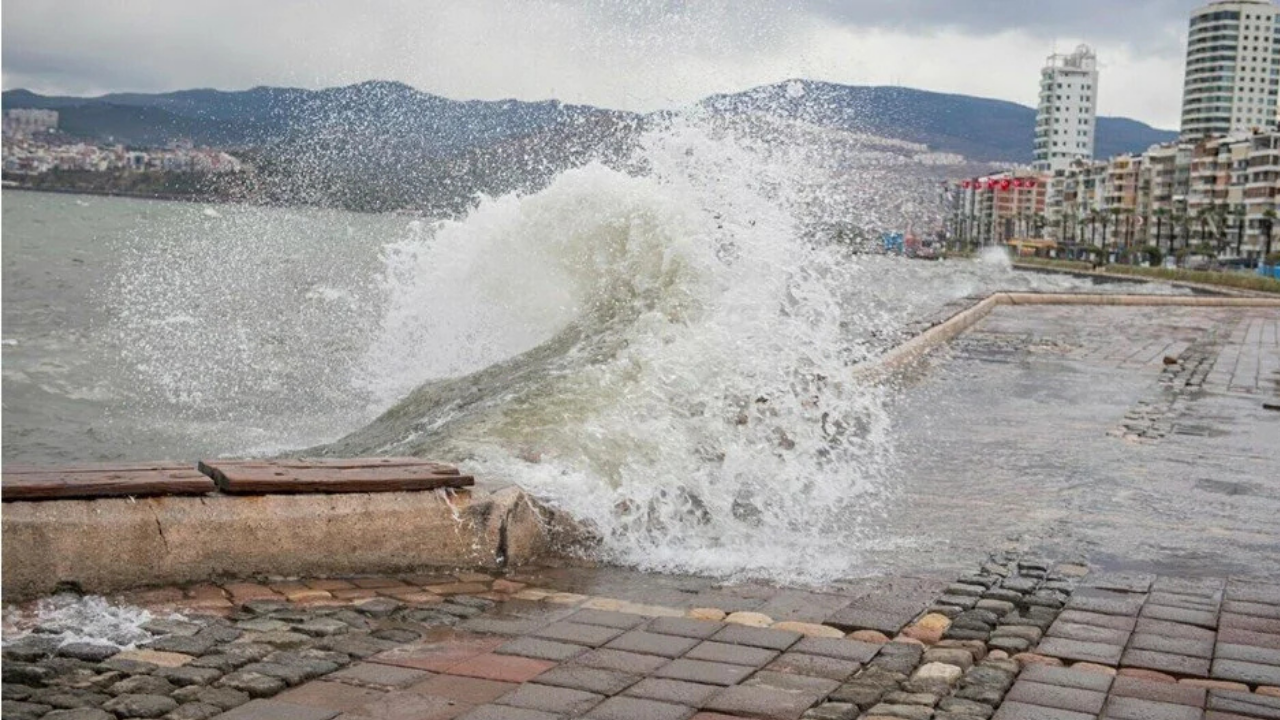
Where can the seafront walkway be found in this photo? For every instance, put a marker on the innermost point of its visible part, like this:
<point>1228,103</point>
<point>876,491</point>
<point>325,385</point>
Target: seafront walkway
<point>1016,639</point>
<point>1098,503</point>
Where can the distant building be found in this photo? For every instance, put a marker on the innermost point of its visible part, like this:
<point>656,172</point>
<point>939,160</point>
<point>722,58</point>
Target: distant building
<point>1067,115</point>
<point>26,121</point>
<point>1233,68</point>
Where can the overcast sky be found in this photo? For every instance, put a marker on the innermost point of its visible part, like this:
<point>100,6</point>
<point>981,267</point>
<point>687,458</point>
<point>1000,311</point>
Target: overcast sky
<point>632,54</point>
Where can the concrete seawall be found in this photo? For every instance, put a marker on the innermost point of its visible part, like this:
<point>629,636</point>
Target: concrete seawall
<point>114,544</point>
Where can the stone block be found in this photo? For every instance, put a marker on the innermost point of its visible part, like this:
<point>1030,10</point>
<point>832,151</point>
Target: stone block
<point>276,710</point>
<point>1131,708</point>
<point>578,633</point>
<point>761,702</point>
<point>676,692</point>
<point>1166,662</point>
<point>706,673</point>
<point>1067,677</point>
<point>503,668</point>
<point>815,666</point>
<point>627,708</point>
<point>1080,650</point>
<point>1176,694</point>
<point>647,643</point>
<point>1174,645</point>
<point>712,651</point>
<point>1057,696</point>
<point>559,700</point>
<point>1246,672</point>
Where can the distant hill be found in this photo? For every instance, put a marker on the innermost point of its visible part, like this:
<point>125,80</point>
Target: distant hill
<point>978,128</point>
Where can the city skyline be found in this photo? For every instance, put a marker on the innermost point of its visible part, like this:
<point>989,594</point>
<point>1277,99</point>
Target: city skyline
<point>642,56</point>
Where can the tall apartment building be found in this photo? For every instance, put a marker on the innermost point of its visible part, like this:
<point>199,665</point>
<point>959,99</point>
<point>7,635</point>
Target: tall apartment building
<point>25,121</point>
<point>1067,115</point>
<point>1233,68</point>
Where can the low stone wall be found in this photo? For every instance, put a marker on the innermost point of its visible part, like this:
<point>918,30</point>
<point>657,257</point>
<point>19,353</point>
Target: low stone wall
<point>906,354</point>
<point>114,544</point>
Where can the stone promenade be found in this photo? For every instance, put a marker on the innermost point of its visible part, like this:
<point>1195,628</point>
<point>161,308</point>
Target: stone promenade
<point>1018,639</point>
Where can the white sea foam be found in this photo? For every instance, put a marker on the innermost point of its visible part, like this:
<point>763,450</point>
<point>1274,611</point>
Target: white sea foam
<point>74,618</point>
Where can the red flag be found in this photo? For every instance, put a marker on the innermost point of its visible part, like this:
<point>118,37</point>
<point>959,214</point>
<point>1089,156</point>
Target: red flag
<point>965,184</point>
<point>1005,184</point>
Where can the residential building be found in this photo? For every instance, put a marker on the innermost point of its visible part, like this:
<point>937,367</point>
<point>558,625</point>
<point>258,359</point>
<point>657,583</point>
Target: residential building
<point>26,121</point>
<point>1001,207</point>
<point>1067,114</point>
<point>1232,69</point>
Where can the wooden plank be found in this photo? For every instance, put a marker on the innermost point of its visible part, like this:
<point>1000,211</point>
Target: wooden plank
<point>14,469</point>
<point>106,481</point>
<point>261,477</point>
<point>341,463</point>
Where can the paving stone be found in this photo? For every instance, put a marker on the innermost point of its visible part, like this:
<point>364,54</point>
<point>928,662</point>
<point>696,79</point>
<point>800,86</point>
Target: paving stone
<point>815,666</point>
<point>909,698</point>
<point>565,701</point>
<point>860,693</point>
<point>1088,633</point>
<point>502,712</point>
<point>802,606</point>
<point>1131,708</point>
<point>23,710</point>
<point>1246,672</point>
<point>97,714</point>
<point>1158,691</point>
<point>962,659</point>
<point>1254,592</point>
<point>1127,582</point>
<point>182,645</point>
<point>685,627</point>
<point>1250,704</point>
<point>378,676</point>
<point>971,590</point>
<point>1023,711</point>
<point>89,652</point>
<point>1082,617</point>
<point>1056,696</point>
<point>1239,607</point>
<point>1066,677</point>
<point>504,668</point>
<point>68,698</point>
<point>1106,602</point>
<point>760,637</point>
<point>677,692</point>
<point>899,712</point>
<point>330,696</point>
<point>140,706</point>
<point>225,698</point>
<point>322,627</point>
<point>832,711</point>
<point>1246,622</point>
<point>437,656</point>
<point>1000,607</point>
<point>187,675</point>
<point>1247,653</point>
<point>277,710</point>
<point>142,685</point>
<point>627,662</point>
<point>963,707</point>
<point>888,622</point>
<point>793,683</point>
<point>1236,636</point>
<point>628,708</point>
<point>542,649</point>
<point>1021,585</point>
<point>1149,626</point>
<point>647,643</point>
<point>1201,618</point>
<point>1175,645</point>
<point>964,602</point>
<point>712,651</point>
<point>464,690</point>
<point>1189,602</point>
<point>607,618</point>
<point>844,649</point>
<point>579,634</point>
<point>1008,596</point>
<point>596,680</point>
<point>707,673</point>
<point>761,702</point>
<point>1080,650</point>
<point>1166,662</point>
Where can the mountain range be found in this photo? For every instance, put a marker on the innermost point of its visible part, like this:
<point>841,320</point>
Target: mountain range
<point>980,129</point>
<point>385,145</point>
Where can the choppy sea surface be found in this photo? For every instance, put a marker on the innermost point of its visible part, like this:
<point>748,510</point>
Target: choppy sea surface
<point>665,351</point>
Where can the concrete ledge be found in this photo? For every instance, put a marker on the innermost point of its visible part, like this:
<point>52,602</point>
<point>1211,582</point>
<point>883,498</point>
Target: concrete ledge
<point>120,543</point>
<point>904,355</point>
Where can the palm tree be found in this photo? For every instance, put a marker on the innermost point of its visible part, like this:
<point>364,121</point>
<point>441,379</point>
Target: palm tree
<point>1268,223</point>
<point>1240,223</point>
<point>1104,217</point>
<point>1161,214</point>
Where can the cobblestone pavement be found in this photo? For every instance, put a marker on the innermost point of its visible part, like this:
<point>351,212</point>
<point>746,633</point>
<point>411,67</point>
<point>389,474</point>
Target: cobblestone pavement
<point>1019,638</point>
<point>1134,437</point>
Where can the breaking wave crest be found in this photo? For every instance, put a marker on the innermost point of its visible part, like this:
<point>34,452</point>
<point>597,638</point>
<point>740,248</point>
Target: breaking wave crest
<point>661,351</point>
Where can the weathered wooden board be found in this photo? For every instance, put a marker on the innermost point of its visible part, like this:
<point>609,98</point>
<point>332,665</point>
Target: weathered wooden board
<point>332,476</point>
<point>101,481</point>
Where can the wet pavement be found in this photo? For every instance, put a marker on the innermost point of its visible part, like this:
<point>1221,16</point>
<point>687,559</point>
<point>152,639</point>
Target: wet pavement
<point>1063,430</point>
<point>1016,638</point>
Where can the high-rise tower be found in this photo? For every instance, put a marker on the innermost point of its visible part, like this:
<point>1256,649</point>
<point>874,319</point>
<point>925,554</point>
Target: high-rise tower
<point>1233,68</point>
<point>1068,111</point>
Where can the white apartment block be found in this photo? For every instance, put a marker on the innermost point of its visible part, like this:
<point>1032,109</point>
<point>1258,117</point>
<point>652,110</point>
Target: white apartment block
<point>25,121</point>
<point>1233,68</point>
<point>1067,116</point>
